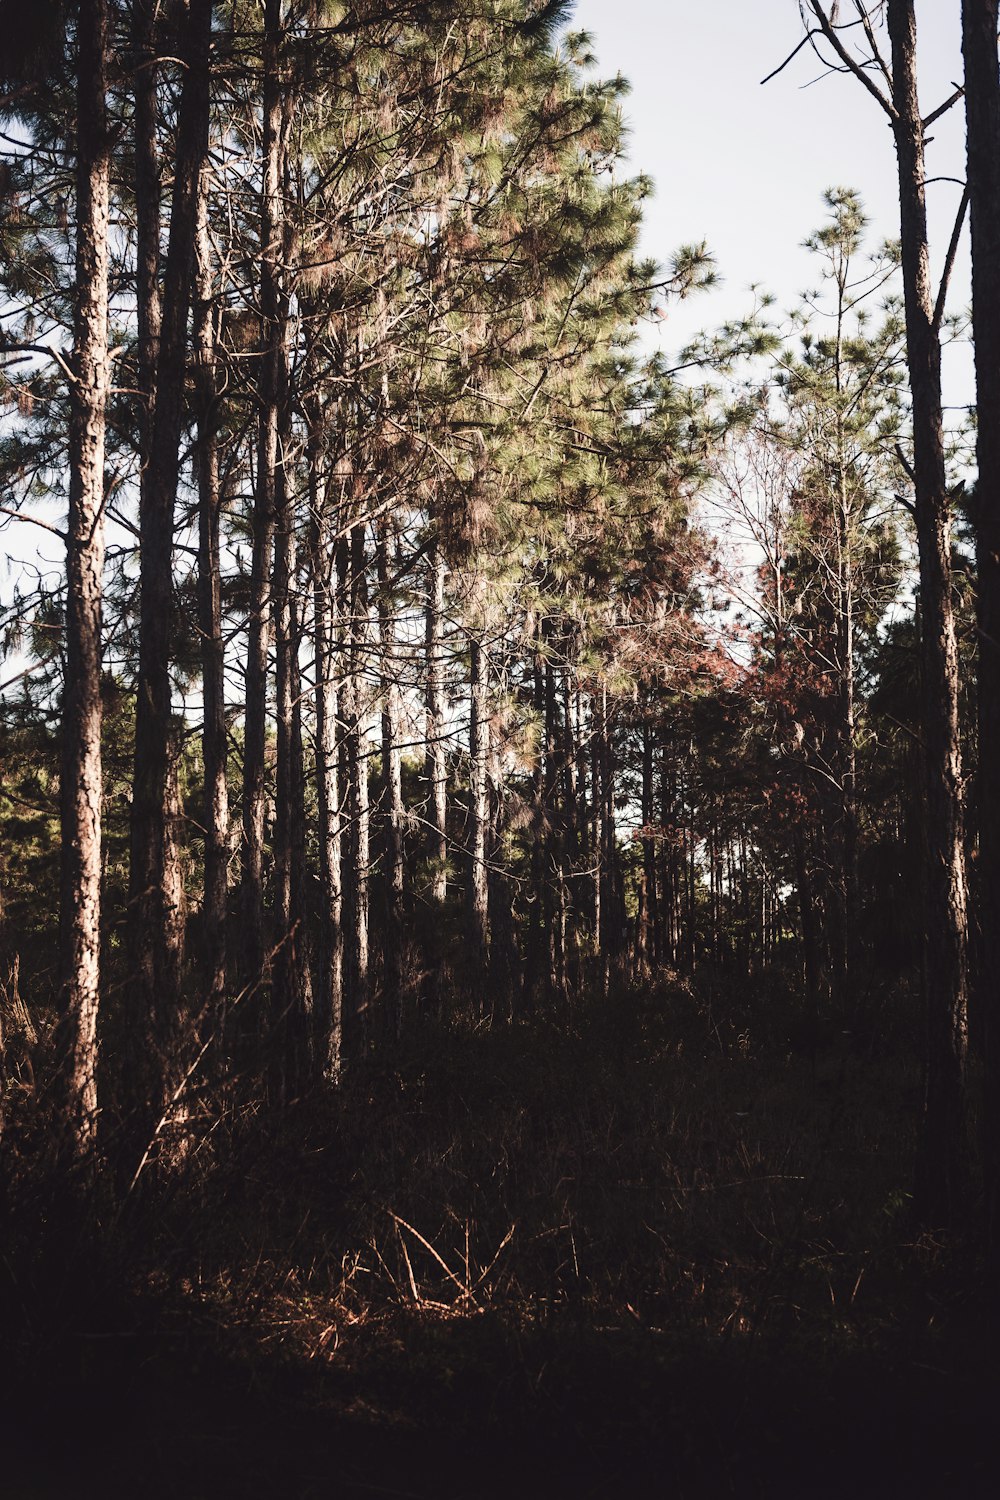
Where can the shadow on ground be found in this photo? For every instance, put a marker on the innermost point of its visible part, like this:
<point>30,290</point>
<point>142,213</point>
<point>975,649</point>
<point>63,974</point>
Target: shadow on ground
<point>472,1409</point>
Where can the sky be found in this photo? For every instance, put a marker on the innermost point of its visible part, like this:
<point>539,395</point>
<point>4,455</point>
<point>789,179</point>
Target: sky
<point>744,166</point>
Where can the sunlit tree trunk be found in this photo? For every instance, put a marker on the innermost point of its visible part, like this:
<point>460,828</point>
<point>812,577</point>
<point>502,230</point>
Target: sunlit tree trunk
<point>436,763</point>
<point>80,793</point>
<point>215,801</point>
<point>357,763</point>
<point>291,988</point>
<point>479,818</point>
<point>271,395</point>
<point>650,936</point>
<point>392,792</point>
<point>435,771</point>
<point>330,822</point>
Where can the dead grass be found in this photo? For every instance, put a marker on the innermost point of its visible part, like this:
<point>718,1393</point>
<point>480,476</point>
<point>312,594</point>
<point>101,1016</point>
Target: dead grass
<point>612,1171</point>
<point>661,1227</point>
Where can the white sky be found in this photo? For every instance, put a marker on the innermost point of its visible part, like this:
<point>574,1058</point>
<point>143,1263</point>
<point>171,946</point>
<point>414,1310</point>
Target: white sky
<point>744,166</point>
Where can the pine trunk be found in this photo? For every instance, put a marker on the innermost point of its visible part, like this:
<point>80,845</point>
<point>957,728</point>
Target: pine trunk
<point>436,764</point>
<point>271,393</point>
<point>982,103</point>
<point>941,1148</point>
<point>359,980</point>
<point>330,999</point>
<point>392,794</point>
<point>155,878</point>
<point>435,775</point>
<point>215,801</point>
<point>651,936</point>
<point>479,818</point>
<point>147,215</point>
<point>291,988</point>
<point>80,787</point>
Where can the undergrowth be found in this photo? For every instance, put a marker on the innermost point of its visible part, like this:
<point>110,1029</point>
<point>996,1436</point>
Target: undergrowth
<point>650,1218</point>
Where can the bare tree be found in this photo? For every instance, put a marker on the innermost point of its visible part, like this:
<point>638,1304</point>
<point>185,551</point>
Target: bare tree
<point>893,84</point>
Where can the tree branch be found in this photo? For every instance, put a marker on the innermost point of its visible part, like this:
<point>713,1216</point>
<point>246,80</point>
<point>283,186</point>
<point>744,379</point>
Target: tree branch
<point>44,349</point>
<point>862,11</point>
<point>949,262</point>
<point>18,515</point>
<point>794,53</point>
<point>942,109</point>
<point>849,62</point>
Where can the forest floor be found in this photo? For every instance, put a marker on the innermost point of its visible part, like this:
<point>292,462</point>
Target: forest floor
<point>662,1249</point>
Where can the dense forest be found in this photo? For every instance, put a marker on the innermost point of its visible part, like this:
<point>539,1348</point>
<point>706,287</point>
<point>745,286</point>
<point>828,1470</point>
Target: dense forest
<point>499,856</point>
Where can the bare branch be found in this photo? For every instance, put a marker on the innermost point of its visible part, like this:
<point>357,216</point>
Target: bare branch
<point>949,262</point>
<point>43,349</point>
<point>794,53</point>
<point>862,11</point>
<point>849,62</point>
<point>942,109</point>
<point>907,467</point>
<point>19,515</point>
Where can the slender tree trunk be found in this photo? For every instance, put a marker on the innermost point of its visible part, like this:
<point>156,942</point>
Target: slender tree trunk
<point>291,994</point>
<point>292,976</point>
<point>575,842</point>
<point>554,884</point>
<point>148,189</point>
<point>941,1147</point>
<point>436,763</point>
<point>596,823</point>
<point>610,931</point>
<point>392,788</point>
<point>479,816</point>
<point>505,963</point>
<point>357,772</point>
<point>849,977</point>
<point>147,213</point>
<point>435,774</point>
<point>155,876</point>
<point>80,787</point>
<point>810,936</point>
<point>668,861</point>
<point>540,907</point>
<point>691,877</point>
<point>982,103</point>
<point>273,375</point>
<point>330,999</point>
<point>215,802</point>
<point>649,930</point>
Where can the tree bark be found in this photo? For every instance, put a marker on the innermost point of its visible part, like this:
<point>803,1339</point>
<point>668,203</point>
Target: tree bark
<point>359,980</point>
<point>436,767</point>
<point>291,994</point>
<point>273,374</point>
<point>80,786</point>
<point>941,1147</point>
<point>330,999</point>
<point>147,214</point>
<point>982,104</point>
<point>650,930</point>
<point>392,794</point>
<point>479,816</point>
<point>215,800</point>
<point>157,917</point>
<point>435,775</point>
